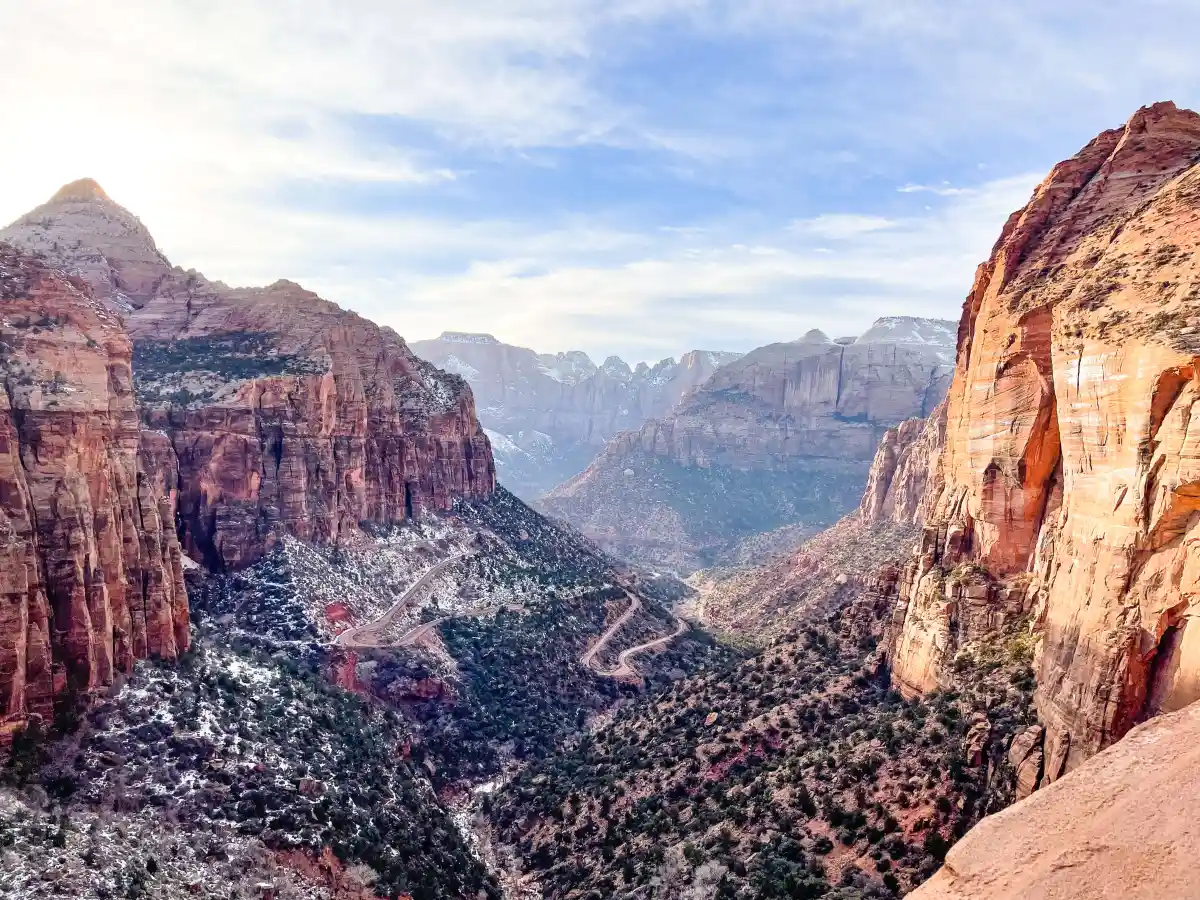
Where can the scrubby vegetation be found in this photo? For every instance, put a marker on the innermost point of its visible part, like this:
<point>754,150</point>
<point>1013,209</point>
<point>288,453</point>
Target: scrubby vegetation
<point>268,736</point>
<point>797,773</point>
<point>189,369</point>
<point>693,517</point>
<point>235,742</point>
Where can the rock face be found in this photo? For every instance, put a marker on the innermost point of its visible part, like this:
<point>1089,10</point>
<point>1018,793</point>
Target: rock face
<point>784,435</point>
<point>899,480</point>
<point>813,398</point>
<point>549,414</point>
<point>1122,825</point>
<point>1069,486</point>
<point>82,231</point>
<point>90,566</point>
<point>284,411</point>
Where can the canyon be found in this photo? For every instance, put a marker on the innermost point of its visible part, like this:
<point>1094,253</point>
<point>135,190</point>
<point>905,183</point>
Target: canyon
<point>140,396</point>
<point>548,415</point>
<point>782,438</point>
<point>993,600</point>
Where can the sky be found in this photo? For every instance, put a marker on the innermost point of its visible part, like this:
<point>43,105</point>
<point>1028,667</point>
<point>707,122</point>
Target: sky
<point>638,177</point>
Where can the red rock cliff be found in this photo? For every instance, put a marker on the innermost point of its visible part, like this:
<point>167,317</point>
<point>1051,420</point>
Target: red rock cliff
<point>284,411</point>
<point>1069,486</point>
<point>90,575</point>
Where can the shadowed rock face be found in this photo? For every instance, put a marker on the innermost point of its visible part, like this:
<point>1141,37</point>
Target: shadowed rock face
<point>283,410</point>
<point>1069,486</point>
<point>90,566</point>
<point>793,427</point>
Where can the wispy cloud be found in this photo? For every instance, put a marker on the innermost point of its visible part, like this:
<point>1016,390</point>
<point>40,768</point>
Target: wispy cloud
<point>942,190</point>
<point>623,175</point>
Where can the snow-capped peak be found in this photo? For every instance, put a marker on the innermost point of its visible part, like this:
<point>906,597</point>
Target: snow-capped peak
<point>911,330</point>
<point>466,337</point>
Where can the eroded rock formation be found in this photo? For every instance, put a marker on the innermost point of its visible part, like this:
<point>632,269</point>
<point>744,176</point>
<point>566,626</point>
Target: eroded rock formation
<point>90,566</point>
<point>549,414</point>
<point>1069,486</point>
<point>782,437</point>
<point>284,411</point>
<point>904,465</point>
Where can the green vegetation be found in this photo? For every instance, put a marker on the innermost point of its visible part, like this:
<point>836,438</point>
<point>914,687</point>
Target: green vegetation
<point>233,738</point>
<point>720,505</point>
<point>797,773</point>
<point>211,360</point>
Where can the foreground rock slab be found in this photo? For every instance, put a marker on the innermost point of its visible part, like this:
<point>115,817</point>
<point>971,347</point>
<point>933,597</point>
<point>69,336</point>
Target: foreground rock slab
<point>1121,825</point>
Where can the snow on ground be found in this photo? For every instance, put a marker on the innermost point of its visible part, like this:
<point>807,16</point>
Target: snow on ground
<point>466,337</point>
<point>911,330</point>
<point>460,367</point>
<point>303,593</point>
<point>98,853</point>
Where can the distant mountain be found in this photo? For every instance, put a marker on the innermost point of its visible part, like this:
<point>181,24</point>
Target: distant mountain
<point>783,436</point>
<point>548,414</point>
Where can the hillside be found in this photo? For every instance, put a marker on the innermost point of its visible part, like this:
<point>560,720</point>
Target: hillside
<point>480,669</point>
<point>548,414</point>
<point>1045,517</point>
<point>782,437</point>
<point>795,773</point>
<point>375,628</point>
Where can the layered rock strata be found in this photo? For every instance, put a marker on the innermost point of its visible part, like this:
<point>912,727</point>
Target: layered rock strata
<point>782,437</point>
<point>1069,487</point>
<point>90,566</point>
<point>813,398</point>
<point>551,413</point>
<point>285,412</point>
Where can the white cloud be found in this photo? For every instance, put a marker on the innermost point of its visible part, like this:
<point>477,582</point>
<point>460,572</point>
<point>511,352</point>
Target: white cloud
<point>942,190</point>
<point>685,291</point>
<point>196,115</point>
<point>841,226</point>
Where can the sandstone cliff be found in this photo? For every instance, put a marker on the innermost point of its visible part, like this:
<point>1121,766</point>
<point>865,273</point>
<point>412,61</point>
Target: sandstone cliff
<point>284,411</point>
<point>90,567</point>
<point>783,436</point>
<point>549,414</point>
<point>1069,487</point>
<point>1122,825</point>
<point>813,398</point>
<point>905,464</point>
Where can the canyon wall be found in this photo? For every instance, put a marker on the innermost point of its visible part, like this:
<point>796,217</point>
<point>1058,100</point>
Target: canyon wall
<point>90,566</point>
<point>1068,490</point>
<point>284,411</point>
<point>782,438</point>
<point>549,414</point>
<point>904,471</point>
<point>812,398</point>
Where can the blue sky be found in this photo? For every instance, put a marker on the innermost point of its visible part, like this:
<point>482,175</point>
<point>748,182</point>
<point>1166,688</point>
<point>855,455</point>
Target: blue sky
<point>635,176</point>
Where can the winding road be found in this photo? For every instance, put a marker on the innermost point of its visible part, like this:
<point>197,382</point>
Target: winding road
<point>364,637</point>
<point>623,668</point>
<point>589,656</point>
